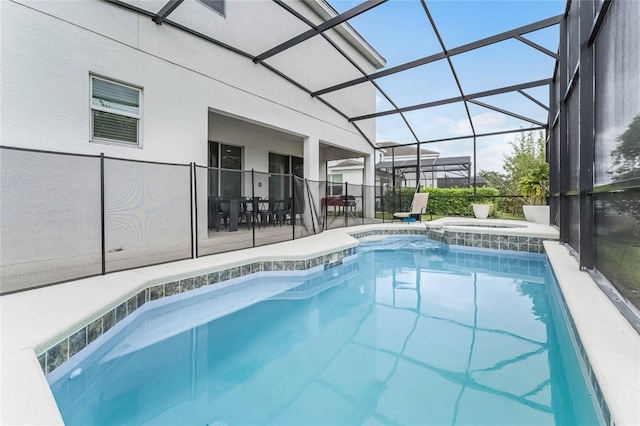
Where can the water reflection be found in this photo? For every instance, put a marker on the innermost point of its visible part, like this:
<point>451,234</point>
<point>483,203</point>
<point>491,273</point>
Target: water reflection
<point>460,345</point>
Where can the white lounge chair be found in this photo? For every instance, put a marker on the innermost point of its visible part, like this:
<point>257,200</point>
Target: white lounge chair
<point>418,207</point>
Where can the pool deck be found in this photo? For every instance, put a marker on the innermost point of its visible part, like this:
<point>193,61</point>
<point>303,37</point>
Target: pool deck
<point>34,320</point>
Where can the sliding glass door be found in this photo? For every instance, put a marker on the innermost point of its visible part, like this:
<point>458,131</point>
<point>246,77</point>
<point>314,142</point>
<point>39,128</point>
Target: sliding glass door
<point>227,180</point>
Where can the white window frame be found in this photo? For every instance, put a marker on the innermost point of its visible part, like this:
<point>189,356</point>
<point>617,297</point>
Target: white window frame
<point>138,116</point>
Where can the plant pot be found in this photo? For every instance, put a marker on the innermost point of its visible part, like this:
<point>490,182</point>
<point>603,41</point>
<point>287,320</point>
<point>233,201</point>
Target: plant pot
<point>537,214</point>
<point>481,211</point>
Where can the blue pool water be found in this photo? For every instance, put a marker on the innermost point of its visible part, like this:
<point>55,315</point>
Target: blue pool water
<point>410,332</point>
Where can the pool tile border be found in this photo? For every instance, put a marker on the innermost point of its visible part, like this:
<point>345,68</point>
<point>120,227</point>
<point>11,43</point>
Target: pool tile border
<point>56,355</point>
<point>488,241</point>
<point>582,353</point>
<point>53,357</point>
<point>467,239</point>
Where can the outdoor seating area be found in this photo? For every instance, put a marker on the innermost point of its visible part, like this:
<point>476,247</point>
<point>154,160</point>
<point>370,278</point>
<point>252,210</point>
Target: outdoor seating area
<point>261,212</point>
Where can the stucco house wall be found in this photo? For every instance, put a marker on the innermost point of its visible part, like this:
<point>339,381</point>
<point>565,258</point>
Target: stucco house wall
<point>50,49</point>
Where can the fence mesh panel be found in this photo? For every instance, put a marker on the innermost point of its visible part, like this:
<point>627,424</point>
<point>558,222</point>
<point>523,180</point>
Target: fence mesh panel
<point>50,228</point>
<point>309,217</point>
<point>229,220</point>
<point>370,202</point>
<point>353,204</point>
<point>147,213</point>
<point>617,241</point>
<point>272,206</point>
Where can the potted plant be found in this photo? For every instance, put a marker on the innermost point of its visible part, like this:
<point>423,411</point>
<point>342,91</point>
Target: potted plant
<point>535,187</point>
<point>481,210</point>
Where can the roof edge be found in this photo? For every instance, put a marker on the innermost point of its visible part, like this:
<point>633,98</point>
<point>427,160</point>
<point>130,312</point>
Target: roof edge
<point>326,12</point>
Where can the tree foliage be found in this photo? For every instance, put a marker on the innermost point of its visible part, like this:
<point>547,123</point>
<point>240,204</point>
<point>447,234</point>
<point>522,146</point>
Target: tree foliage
<point>535,185</point>
<point>526,156</point>
<point>627,153</point>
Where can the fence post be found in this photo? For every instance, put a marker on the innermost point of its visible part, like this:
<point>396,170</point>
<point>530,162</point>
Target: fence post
<point>326,207</point>
<point>102,216</point>
<point>344,205</point>
<point>293,205</point>
<point>253,208</point>
<point>362,194</point>
<point>192,186</point>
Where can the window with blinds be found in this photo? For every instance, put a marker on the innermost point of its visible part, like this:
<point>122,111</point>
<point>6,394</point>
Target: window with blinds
<point>115,112</point>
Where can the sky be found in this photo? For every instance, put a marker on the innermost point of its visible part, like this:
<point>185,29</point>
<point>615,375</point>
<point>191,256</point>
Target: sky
<point>400,31</point>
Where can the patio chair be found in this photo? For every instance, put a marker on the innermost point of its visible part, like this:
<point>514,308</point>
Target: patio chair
<point>280,212</point>
<point>418,208</point>
<point>266,211</point>
<point>218,210</point>
<point>246,212</point>
<point>349,204</point>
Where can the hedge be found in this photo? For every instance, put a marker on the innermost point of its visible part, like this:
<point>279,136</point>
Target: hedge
<point>442,201</point>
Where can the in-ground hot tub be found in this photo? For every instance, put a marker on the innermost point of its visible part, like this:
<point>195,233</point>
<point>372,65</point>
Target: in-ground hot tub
<point>495,234</point>
<point>486,225</point>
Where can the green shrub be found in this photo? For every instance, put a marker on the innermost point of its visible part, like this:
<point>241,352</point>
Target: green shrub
<point>400,201</point>
<point>442,201</point>
<point>457,201</point>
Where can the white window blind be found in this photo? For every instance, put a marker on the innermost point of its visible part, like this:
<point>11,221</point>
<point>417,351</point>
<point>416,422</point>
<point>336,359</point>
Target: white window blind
<point>115,114</point>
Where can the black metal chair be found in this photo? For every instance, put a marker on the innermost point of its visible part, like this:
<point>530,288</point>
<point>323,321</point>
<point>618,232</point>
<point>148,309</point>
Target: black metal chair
<point>253,212</point>
<point>245,211</point>
<point>217,211</point>
<point>349,204</point>
<point>264,209</point>
<point>280,212</point>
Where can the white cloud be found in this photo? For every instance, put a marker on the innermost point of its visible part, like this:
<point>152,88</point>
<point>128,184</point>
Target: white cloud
<point>483,123</point>
<point>488,121</point>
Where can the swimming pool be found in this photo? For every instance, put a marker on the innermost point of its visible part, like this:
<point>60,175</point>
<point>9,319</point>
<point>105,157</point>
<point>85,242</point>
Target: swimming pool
<point>409,332</point>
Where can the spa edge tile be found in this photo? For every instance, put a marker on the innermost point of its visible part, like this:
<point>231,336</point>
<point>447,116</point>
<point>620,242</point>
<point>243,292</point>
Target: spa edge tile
<point>156,292</point>
<point>225,274</point>
<point>186,285</point>
<point>108,320</point>
<point>42,359</point>
<point>171,288</point>
<point>200,281</point>
<point>245,269</point>
<point>94,330</point>
<point>132,304</point>
<point>77,341</point>
<point>213,278</point>
<point>142,297</point>
<point>57,354</point>
<point>121,312</point>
